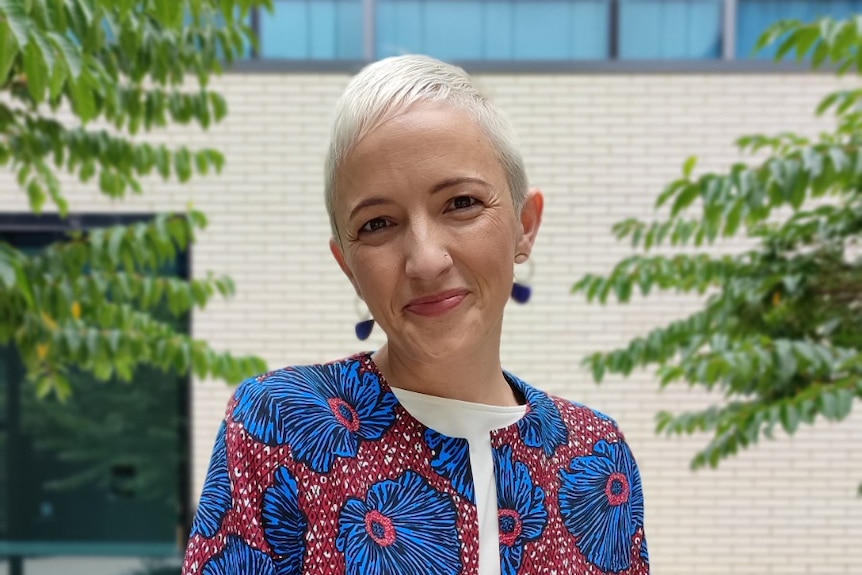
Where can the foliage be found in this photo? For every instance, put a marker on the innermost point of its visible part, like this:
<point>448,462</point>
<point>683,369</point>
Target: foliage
<point>780,333</point>
<point>82,79</point>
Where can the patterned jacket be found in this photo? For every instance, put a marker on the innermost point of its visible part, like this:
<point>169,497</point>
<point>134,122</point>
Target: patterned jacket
<point>319,470</point>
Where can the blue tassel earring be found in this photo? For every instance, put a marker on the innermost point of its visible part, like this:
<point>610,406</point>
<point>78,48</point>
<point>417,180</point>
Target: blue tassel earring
<point>363,329</point>
<point>364,326</point>
<point>521,290</point>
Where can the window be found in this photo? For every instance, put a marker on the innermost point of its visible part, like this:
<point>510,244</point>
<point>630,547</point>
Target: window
<point>670,30</point>
<point>527,30</point>
<point>99,482</point>
<point>312,30</point>
<point>494,29</point>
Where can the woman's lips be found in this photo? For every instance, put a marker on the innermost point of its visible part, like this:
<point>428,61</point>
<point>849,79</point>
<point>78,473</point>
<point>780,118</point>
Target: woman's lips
<point>436,304</point>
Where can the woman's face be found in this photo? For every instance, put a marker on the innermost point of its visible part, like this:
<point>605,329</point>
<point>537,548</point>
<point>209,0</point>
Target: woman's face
<point>428,232</point>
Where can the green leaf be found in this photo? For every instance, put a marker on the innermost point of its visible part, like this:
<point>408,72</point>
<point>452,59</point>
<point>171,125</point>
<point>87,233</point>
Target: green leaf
<point>17,19</point>
<point>734,217</point>
<point>83,100</point>
<point>36,195</point>
<point>8,50</point>
<point>623,288</point>
<point>772,34</point>
<point>844,38</point>
<point>827,102</point>
<point>820,54</point>
<point>7,273</point>
<point>70,53</point>
<point>689,193</point>
<point>789,416</point>
<point>58,80</point>
<point>670,191</point>
<point>804,40</point>
<point>598,370</point>
<point>219,105</point>
<point>37,71</point>
<point>828,405</point>
<point>25,287</point>
<point>787,45</point>
<point>839,158</point>
<point>183,164</point>
<point>844,403</point>
<point>170,12</point>
<point>688,167</point>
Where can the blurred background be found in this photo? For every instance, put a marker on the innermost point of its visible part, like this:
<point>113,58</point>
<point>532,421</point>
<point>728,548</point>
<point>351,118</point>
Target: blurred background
<point>101,470</point>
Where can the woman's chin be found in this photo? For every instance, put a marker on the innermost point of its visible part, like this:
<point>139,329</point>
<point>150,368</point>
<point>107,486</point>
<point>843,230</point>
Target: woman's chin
<point>445,342</point>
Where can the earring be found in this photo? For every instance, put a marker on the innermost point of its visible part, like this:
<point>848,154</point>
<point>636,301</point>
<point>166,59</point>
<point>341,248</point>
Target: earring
<point>365,325</point>
<point>521,290</point>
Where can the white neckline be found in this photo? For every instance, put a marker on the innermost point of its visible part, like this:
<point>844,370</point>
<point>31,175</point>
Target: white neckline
<point>456,418</point>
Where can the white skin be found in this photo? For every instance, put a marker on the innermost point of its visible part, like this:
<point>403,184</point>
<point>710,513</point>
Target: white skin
<point>428,235</point>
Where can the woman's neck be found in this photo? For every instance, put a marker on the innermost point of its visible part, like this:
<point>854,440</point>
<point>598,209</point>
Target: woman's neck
<point>477,378</point>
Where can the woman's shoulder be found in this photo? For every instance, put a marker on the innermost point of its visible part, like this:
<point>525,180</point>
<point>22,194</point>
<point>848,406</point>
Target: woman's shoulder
<point>320,410</point>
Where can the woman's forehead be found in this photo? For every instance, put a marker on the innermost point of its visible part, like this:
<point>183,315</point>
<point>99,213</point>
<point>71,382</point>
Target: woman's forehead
<point>425,139</point>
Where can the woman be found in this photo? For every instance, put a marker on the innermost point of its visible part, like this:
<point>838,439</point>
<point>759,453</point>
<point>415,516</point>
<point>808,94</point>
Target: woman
<point>423,457</point>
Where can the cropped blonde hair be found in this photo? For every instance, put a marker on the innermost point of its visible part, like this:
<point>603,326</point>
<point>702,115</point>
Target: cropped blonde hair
<point>389,86</point>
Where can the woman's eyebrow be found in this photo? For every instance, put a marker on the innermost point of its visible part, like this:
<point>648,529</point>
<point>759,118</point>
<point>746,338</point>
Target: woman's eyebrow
<point>449,182</point>
<point>367,203</point>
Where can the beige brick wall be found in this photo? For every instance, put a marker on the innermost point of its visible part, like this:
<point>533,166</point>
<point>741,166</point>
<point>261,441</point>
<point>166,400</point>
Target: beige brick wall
<point>601,147</point>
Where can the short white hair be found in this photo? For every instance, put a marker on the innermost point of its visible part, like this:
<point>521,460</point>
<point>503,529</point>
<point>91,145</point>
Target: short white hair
<point>389,86</point>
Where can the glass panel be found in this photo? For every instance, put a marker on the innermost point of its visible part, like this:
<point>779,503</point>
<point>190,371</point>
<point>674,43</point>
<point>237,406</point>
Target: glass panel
<point>493,29</point>
<point>99,474</point>
<point>672,29</point>
<point>754,16</point>
<point>108,454</point>
<point>312,30</point>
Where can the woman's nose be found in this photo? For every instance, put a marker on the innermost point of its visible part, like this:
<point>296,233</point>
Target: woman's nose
<point>427,254</point>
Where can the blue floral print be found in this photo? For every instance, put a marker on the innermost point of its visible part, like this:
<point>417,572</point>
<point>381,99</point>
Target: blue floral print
<point>542,426</point>
<point>215,498</point>
<point>520,508</point>
<point>321,411</point>
<point>601,502</point>
<point>284,523</point>
<point>451,460</point>
<point>404,526</point>
<point>238,558</point>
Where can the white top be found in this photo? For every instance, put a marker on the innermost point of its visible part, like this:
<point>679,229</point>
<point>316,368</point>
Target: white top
<point>473,422</point>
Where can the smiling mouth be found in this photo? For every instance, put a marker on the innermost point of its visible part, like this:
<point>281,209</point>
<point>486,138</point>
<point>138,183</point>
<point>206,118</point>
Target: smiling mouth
<point>437,304</point>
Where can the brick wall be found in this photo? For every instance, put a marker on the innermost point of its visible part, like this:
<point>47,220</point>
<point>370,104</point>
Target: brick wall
<point>601,147</point>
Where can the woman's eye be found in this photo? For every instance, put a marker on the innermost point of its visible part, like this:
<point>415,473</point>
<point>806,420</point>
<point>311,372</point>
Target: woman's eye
<point>462,202</point>
<point>374,225</point>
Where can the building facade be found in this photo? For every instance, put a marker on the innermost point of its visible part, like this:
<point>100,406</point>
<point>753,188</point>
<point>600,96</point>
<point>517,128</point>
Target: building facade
<point>606,111</point>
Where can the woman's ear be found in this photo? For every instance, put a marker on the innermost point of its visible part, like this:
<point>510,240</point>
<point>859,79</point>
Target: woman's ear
<point>338,254</point>
<point>531,220</point>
